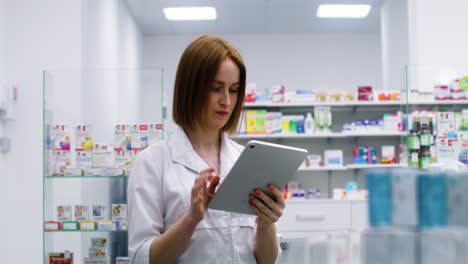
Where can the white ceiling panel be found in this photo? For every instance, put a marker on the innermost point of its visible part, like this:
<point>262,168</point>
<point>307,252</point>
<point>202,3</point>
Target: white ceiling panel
<point>253,16</point>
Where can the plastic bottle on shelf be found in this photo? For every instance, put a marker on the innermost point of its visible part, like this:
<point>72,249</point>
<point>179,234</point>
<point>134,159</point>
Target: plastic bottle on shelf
<point>309,124</point>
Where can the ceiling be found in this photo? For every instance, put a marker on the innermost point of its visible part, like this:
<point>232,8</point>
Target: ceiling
<point>253,16</point>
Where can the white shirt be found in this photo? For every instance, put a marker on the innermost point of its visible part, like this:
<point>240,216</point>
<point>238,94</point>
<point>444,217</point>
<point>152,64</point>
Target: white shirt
<point>159,193</point>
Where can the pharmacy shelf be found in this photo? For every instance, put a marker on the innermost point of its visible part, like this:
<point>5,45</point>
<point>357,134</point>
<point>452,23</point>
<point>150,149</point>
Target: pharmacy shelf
<point>86,177</point>
<point>341,168</point>
<point>372,103</point>
<point>323,135</point>
<point>364,103</point>
<point>352,167</point>
<point>371,166</point>
<point>311,201</point>
<point>442,102</point>
<point>85,231</point>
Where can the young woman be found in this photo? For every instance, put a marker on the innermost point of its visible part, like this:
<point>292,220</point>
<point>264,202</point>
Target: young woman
<point>173,181</point>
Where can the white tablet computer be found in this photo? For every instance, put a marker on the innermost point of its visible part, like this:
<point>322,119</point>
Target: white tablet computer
<point>260,164</point>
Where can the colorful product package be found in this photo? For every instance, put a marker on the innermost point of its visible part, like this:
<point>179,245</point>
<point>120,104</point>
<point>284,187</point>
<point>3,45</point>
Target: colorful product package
<point>277,93</point>
<point>447,149</point>
<point>106,225</point>
<point>81,213</point>
<point>62,160</point>
<point>99,242</point>
<point>103,156</point>
<point>446,124</point>
<point>99,212</point>
<point>61,153</point>
<point>83,146</point>
<point>154,133</point>
<point>64,213</point>
<point>94,260</point>
<point>260,125</point>
<point>70,226</point>
<point>96,252</point>
<point>52,226</point>
<point>122,137</point>
<point>388,155</point>
<point>61,258</point>
<point>251,121</point>
<point>250,93</point>
<point>139,137</point>
<point>62,137</point>
<point>333,158</point>
<point>87,225</point>
<point>119,212</point>
<point>123,159</point>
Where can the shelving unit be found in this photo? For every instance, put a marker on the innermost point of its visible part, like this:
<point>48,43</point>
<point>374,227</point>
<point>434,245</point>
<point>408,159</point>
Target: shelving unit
<point>323,135</point>
<point>354,103</point>
<point>352,167</point>
<point>99,99</point>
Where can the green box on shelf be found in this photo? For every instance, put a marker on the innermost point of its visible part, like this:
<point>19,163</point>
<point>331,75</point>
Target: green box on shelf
<point>70,226</point>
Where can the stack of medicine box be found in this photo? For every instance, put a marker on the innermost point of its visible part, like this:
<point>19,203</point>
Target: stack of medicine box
<point>416,216</point>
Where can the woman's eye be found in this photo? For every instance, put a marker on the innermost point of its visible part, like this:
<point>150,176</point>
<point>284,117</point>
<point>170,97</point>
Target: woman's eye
<point>233,90</point>
<point>217,89</point>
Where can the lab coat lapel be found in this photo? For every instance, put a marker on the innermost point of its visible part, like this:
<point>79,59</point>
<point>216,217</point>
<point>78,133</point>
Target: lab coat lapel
<point>228,155</point>
<point>182,152</point>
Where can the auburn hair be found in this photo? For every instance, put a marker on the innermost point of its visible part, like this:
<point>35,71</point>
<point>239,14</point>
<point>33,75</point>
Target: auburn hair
<point>195,76</point>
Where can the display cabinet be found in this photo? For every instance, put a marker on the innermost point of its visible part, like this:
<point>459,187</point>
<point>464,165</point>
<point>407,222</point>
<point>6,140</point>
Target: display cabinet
<point>437,112</point>
<point>95,124</point>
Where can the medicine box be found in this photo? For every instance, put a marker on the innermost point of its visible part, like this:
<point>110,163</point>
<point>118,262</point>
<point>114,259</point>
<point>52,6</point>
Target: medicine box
<point>70,226</point>
<point>99,212</point>
<point>103,156</point>
<point>119,212</point>
<point>139,137</point>
<point>122,137</point>
<point>87,225</point>
<point>81,213</point>
<point>154,133</point>
<point>64,212</point>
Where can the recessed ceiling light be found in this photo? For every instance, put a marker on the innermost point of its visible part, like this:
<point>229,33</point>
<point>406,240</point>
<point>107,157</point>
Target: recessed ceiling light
<point>190,13</point>
<point>343,11</point>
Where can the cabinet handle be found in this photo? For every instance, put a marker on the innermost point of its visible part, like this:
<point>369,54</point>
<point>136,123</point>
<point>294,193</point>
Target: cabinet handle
<point>310,217</point>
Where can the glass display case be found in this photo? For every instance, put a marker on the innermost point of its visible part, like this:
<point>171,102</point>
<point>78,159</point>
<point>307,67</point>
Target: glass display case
<point>95,124</point>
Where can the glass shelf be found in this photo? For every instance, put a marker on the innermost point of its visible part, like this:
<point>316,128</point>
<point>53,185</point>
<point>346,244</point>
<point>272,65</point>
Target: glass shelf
<point>87,177</point>
<point>84,113</point>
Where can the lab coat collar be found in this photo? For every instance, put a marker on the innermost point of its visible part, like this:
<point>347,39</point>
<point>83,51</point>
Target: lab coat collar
<point>183,153</point>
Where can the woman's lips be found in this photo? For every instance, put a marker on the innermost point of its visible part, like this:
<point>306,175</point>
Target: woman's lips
<point>222,113</point>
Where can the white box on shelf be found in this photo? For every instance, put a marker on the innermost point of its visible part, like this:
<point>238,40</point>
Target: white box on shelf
<point>139,137</point>
<point>103,156</point>
<point>81,213</point>
<point>333,158</point>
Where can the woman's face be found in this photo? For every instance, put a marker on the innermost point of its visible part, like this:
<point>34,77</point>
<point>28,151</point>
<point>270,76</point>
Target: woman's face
<point>223,95</point>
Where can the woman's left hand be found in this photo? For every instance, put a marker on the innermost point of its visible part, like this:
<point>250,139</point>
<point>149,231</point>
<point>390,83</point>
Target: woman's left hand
<point>268,210</point>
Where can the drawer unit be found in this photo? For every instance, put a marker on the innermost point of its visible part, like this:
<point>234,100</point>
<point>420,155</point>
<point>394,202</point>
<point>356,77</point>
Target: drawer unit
<point>303,216</point>
<point>359,215</point>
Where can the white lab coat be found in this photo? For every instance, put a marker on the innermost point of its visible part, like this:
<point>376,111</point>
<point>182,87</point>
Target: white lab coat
<point>159,193</point>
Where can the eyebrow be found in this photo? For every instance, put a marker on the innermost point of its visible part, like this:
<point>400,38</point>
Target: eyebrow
<point>221,82</point>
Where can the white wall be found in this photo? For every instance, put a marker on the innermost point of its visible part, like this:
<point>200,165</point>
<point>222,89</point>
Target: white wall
<point>45,34</point>
<point>437,41</point>
<point>3,171</point>
<point>51,34</point>
<point>394,35</point>
<point>297,61</point>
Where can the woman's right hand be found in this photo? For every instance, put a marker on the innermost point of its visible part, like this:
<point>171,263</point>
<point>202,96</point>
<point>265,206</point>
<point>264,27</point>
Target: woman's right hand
<point>202,193</point>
